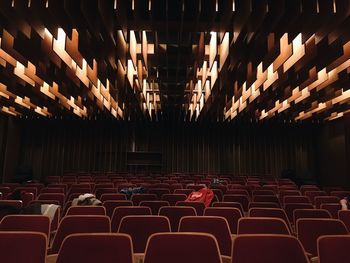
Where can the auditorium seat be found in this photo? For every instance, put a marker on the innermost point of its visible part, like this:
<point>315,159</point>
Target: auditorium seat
<point>110,205</point>
<point>238,192</point>
<point>120,212</point>
<point>301,199</point>
<point>154,205</point>
<point>262,225</point>
<point>141,227</point>
<point>111,196</point>
<point>232,215</point>
<point>263,192</point>
<point>340,194</point>
<point>217,226</point>
<point>263,205</point>
<point>333,248</point>
<point>305,188</point>
<point>33,223</point>
<point>18,247</point>
<point>175,213</point>
<point>266,198</point>
<point>52,190</point>
<point>173,198</point>
<point>199,206</point>
<point>60,197</point>
<point>86,210</point>
<point>158,192</point>
<point>332,208</point>
<point>270,212</point>
<point>242,199</point>
<point>100,191</point>
<point>183,191</point>
<point>267,248</point>
<point>319,200</point>
<point>182,247</point>
<point>313,194</point>
<point>310,229</point>
<point>79,224</point>
<point>284,193</point>
<point>229,204</point>
<point>310,213</point>
<point>92,248</point>
<point>344,216</point>
<point>137,198</point>
<point>289,209</point>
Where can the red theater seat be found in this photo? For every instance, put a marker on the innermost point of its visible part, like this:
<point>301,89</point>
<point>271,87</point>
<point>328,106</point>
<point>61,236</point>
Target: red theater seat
<point>86,210</point>
<point>140,228</point>
<point>319,200</point>
<point>173,198</point>
<point>310,229</point>
<point>18,247</point>
<point>267,248</point>
<point>262,225</point>
<point>344,216</point>
<point>122,211</point>
<point>229,204</point>
<point>196,205</point>
<point>182,247</point>
<point>333,248</point>
<point>289,209</point>
<point>109,196</point>
<point>154,205</point>
<point>270,212</point>
<point>175,213</point>
<point>137,198</point>
<point>110,205</point>
<point>242,199</point>
<point>92,248</point>
<point>217,226</point>
<point>310,213</point>
<point>232,215</point>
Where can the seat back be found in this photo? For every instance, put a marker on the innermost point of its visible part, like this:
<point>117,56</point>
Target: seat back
<point>137,198</point>
<point>18,247</point>
<point>270,212</point>
<point>175,213</point>
<point>91,248</point>
<point>262,225</point>
<point>173,198</point>
<point>140,228</point>
<point>301,199</point>
<point>111,196</point>
<point>267,248</point>
<point>110,205</point>
<point>344,216</point>
<point>229,204</point>
<point>217,226</point>
<point>310,213</point>
<point>289,209</point>
<point>198,206</point>
<point>154,205</point>
<point>333,248</point>
<point>79,224</point>
<point>182,247</point>
<point>86,210</point>
<point>310,229</point>
<point>232,215</point>
<point>34,223</point>
<point>332,208</point>
<point>242,199</point>
<point>319,200</point>
<point>122,211</point>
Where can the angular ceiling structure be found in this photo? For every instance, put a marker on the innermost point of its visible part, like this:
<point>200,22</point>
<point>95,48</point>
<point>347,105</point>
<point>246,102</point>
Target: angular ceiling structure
<point>190,60</point>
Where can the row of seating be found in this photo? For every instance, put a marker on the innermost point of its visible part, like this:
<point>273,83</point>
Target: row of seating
<point>309,231</point>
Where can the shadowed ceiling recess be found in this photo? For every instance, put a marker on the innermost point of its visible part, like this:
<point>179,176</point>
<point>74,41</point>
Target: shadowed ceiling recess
<point>192,60</point>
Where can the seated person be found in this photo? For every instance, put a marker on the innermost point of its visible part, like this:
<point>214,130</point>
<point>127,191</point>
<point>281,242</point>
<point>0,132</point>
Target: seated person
<point>345,203</point>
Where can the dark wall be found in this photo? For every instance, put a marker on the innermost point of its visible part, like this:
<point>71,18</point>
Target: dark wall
<point>55,147</point>
<point>332,163</point>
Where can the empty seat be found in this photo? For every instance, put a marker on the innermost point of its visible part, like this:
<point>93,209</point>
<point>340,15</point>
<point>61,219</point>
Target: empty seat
<point>229,204</point>
<point>301,199</point>
<point>217,226</point>
<point>340,194</point>
<point>159,192</point>
<point>284,193</point>
<point>262,225</point>
<point>183,191</point>
<point>332,208</point>
<point>122,211</point>
<point>238,192</point>
<point>289,209</point>
<point>333,248</point>
<point>110,205</point>
<point>199,206</point>
<point>91,248</point>
<point>111,196</point>
<point>173,198</point>
<point>140,228</point>
<point>53,196</point>
<point>310,229</point>
<point>86,210</point>
<point>263,205</point>
<point>310,213</point>
<point>266,198</point>
<point>270,212</point>
<point>267,248</point>
<point>175,213</point>
<point>52,190</point>
<point>305,188</point>
<point>137,198</point>
<point>17,247</point>
<point>182,247</point>
<point>232,215</point>
<point>242,199</point>
<point>263,192</point>
<point>319,200</point>
<point>33,223</point>
<point>100,191</point>
<point>79,224</point>
<point>344,216</point>
<point>313,194</point>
